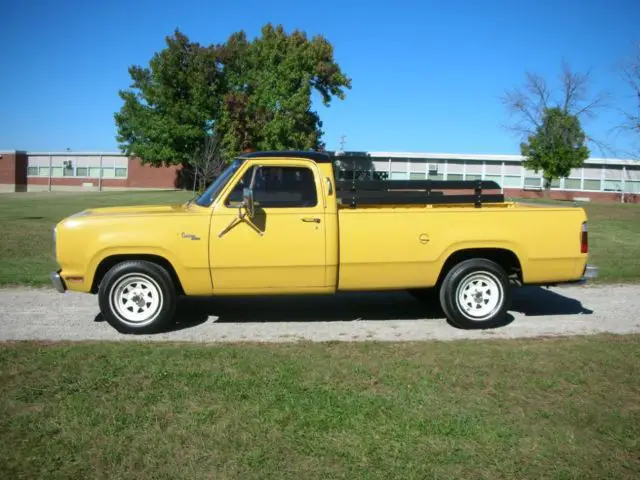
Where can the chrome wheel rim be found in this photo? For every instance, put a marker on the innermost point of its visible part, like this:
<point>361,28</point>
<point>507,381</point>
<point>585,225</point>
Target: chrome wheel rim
<point>479,296</point>
<point>136,299</point>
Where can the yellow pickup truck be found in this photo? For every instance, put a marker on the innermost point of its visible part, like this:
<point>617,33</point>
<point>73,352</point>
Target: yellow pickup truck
<point>280,223</point>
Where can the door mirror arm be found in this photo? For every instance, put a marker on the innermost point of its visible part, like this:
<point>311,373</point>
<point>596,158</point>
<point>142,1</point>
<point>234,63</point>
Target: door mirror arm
<point>246,210</point>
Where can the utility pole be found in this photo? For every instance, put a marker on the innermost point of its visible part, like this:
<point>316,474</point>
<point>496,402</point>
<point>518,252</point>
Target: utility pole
<point>343,141</point>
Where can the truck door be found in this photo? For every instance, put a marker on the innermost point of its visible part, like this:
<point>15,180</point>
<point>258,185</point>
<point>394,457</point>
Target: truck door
<point>284,249</point>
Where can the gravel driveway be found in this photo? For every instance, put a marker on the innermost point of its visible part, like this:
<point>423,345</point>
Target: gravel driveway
<point>43,314</point>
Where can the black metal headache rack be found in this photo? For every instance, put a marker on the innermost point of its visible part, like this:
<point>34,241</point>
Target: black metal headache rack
<point>414,192</point>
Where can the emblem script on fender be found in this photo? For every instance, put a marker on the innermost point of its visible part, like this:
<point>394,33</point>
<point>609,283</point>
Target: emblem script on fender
<point>190,236</point>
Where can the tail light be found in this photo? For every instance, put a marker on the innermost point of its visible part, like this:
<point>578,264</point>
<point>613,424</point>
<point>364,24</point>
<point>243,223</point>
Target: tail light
<point>584,239</point>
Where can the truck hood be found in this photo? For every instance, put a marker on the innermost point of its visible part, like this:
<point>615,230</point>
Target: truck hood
<point>135,210</point>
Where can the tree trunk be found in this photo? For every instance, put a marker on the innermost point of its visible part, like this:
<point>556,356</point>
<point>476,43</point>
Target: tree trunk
<point>546,192</point>
<point>195,178</point>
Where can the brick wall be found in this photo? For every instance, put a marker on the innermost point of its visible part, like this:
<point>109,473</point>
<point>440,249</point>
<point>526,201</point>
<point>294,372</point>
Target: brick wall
<point>78,182</point>
<point>13,171</point>
<point>145,176</point>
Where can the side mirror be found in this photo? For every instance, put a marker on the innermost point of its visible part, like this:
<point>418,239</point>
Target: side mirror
<point>247,201</point>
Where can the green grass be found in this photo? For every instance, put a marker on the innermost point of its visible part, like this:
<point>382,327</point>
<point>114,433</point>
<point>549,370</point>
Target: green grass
<point>27,220</point>
<point>561,408</point>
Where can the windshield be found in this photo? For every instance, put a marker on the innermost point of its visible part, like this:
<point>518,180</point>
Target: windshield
<point>209,195</point>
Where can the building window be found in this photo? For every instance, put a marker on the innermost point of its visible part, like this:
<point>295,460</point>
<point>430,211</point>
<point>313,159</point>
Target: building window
<point>473,177</point>
<point>592,185</point>
<point>108,173</point>
<point>68,172</point>
<point>416,176</point>
<point>511,181</point>
<point>532,182</point>
<point>94,172</point>
<point>493,178</point>
<point>121,172</point>
<point>612,185</point>
<point>572,183</point>
<point>512,168</point>
<point>43,171</point>
<point>454,176</point>
<point>555,183</point>
<point>632,187</point>
<point>81,171</point>
<point>399,176</point>
<point>32,171</point>
<point>433,176</point>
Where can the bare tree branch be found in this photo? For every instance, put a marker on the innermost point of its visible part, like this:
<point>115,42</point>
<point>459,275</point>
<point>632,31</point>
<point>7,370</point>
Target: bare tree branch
<point>606,149</point>
<point>537,86</point>
<point>631,75</point>
<point>529,104</point>
<point>208,161</point>
<point>599,101</point>
<point>521,105</point>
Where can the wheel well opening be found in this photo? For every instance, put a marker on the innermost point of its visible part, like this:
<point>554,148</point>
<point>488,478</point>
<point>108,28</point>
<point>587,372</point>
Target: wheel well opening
<point>112,261</point>
<point>505,258</point>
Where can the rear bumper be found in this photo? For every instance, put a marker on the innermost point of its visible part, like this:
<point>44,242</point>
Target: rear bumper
<point>58,282</point>
<point>590,273</point>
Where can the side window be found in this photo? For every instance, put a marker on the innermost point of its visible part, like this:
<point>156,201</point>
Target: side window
<point>278,187</point>
<point>235,197</point>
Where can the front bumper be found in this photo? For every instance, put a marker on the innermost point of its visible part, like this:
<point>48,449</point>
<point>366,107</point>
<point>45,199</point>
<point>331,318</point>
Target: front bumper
<point>58,282</point>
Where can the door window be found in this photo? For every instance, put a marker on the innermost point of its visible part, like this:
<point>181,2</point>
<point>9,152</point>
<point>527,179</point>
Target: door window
<point>277,187</point>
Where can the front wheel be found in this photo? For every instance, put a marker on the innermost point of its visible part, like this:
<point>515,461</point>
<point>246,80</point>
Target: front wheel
<point>137,297</point>
<point>476,294</point>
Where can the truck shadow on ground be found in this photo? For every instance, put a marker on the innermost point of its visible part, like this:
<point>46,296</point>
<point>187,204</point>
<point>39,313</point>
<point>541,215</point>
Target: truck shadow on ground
<point>538,301</point>
<point>346,307</point>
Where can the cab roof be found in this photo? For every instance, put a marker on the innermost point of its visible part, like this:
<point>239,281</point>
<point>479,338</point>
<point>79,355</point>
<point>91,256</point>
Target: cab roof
<point>317,157</point>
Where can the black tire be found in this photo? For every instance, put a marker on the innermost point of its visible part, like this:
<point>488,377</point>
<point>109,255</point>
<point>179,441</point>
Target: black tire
<point>146,286</point>
<point>460,295</point>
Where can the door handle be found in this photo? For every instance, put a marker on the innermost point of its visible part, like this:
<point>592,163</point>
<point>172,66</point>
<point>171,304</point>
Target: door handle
<point>311,220</point>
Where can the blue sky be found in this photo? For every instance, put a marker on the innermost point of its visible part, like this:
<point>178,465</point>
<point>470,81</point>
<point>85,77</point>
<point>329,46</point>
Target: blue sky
<point>427,75</point>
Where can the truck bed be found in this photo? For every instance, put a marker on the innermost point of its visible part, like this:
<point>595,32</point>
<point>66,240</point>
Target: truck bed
<point>400,246</point>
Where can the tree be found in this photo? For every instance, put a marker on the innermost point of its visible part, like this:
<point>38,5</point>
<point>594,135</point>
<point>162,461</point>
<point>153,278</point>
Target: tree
<point>550,123</point>
<point>247,93</point>
<point>557,146</point>
<point>631,117</point>
<point>171,104</point>
<point>271,81</point>
<point>529,103</point>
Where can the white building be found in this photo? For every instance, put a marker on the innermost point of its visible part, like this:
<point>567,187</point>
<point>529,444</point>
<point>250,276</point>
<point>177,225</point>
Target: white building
<point>599,178</point>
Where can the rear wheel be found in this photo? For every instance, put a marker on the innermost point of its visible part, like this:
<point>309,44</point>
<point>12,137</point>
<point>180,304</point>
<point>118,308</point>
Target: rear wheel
<point>476,294</point>
<point>137,297</point>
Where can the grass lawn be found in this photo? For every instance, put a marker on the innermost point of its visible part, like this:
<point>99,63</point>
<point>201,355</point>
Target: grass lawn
<point>556,408</point>
<point>27,220</point>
